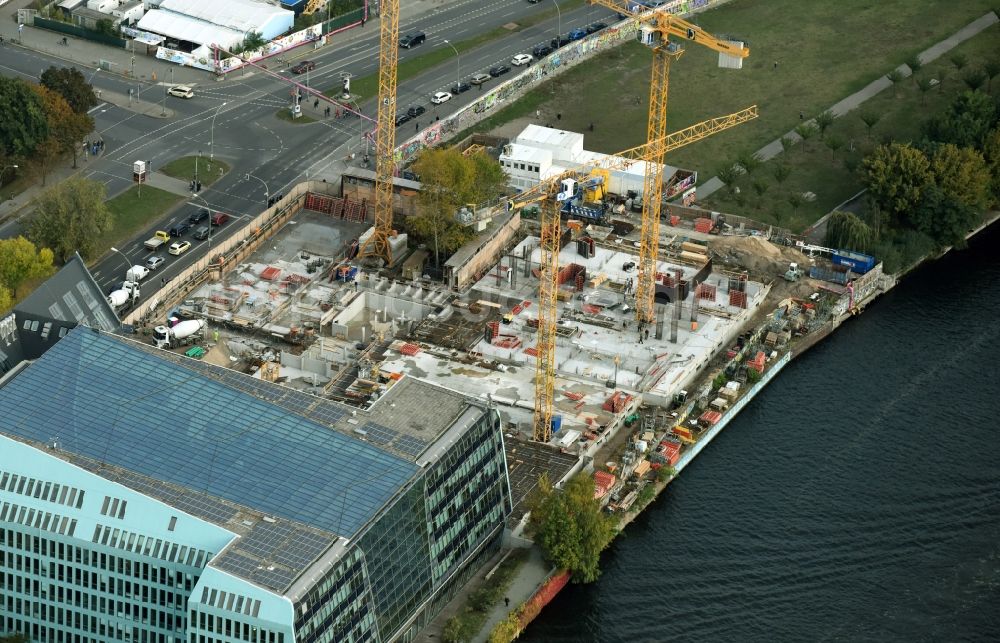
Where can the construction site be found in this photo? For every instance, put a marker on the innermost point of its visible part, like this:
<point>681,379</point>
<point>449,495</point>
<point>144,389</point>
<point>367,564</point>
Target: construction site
<point>594,297</point>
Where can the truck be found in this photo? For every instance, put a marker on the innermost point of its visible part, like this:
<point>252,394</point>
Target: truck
<point>179,333</point>
<point>157,241</point>
<point>122,298</point>
<point>136,273</point>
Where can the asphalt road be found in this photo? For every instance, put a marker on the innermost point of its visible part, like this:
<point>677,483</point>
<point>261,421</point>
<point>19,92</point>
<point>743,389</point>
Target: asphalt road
<point>236,121</point>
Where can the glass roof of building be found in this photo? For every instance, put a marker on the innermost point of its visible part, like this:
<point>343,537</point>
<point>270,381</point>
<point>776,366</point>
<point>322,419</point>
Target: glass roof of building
<point>115,402</point>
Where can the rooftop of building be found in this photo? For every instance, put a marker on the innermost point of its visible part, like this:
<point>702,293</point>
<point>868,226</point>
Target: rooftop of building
<point>290,470</point>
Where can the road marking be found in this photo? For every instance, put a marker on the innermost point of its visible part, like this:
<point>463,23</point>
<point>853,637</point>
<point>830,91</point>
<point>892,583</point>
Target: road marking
<point>94,109</point>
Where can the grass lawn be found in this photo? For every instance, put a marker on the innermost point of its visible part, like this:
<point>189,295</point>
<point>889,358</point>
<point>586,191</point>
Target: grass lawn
<point>825,51</point>
<point>183,169</point>
<point>365,87</point>
<point>815,168</point>
<point>285,114</point>
<point>131,212</point>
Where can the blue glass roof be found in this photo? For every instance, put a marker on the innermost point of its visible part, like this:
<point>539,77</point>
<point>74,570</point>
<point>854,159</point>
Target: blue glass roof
<point>107,399</point>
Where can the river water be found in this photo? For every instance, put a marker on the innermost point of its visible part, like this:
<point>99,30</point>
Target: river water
<point>856,499</point>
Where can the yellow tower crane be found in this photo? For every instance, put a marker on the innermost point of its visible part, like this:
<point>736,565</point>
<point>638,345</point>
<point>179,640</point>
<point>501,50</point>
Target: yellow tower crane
<point>548,192</point>
<point>655,29</point>
<point>377,245</point>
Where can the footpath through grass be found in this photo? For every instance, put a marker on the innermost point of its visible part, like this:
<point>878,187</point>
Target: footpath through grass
<point>131,212</point>
<point>184,169</point>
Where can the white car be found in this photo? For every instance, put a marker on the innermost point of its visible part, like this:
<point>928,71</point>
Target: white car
<point>441,97</point>
<point>179,247</point>
<point>181,91</point>
<point>521,59</point>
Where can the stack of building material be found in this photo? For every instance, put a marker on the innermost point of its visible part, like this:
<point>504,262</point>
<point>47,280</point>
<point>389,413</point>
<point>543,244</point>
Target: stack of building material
<point>409,349</point>
<point>617,402</point>
<point>603,482</point>
<point>684,433</point>
<point>671,452</point>
<point>702,224</point>
<point>270,273</point>
<point>641,469</point>
<point>757,363</point>
<point>707,419</point>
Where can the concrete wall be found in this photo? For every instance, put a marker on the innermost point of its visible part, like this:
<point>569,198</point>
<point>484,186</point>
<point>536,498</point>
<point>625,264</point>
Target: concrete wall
<point>492,243</point>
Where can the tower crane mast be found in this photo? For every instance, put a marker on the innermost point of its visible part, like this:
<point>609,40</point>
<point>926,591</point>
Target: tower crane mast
<point>655,29</point>
<point>377,245</point>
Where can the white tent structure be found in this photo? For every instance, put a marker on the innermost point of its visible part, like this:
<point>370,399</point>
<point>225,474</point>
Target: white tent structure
<point>222,22</point>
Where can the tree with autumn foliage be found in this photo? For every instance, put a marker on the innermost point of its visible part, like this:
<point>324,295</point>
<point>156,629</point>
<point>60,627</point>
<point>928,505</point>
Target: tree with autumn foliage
<point>67,128</point>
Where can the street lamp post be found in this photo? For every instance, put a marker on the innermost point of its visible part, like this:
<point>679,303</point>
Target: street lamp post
<point>458,65</point>
<point>558,13</point>
<point>211,145</point>
<point>267,193</point>
<point>128,262</point>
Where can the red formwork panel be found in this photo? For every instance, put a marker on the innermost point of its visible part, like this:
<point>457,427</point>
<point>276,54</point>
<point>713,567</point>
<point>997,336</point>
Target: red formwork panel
<point>706,291</point>
<point>737,298</point>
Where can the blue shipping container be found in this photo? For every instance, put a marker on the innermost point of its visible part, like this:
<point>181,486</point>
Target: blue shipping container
<point>857,262</point>
<point>556,423</point>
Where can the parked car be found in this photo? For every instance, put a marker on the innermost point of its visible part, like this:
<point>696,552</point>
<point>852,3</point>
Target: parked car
<point>402,118</point>
<point>461,87</point>
<point>521,59</point>
<point>180,229</point>
<point>201,233</point>
<point>304,66</point>
<point>541,50</point>
<point>577,34</point>
<point>179,247</point>
<point>154,262</point>
<point>181,91</point>
<point>499,70</point>
<point>597,26</point>
<point>440,97</point>
<point>416,110</point>
<point>559,42</point>
<point>221,217</point>
<point>412,39</point>
<point>479,79</point>
<point>199,216</point>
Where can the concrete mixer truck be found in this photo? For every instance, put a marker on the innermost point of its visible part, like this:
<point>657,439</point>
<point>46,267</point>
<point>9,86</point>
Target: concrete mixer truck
<point>178,333</point>
<point>123,297</point>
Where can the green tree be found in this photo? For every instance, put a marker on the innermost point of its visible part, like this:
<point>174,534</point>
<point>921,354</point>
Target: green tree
<point>943,218</point>
<point>823,121</point>
<point>787,143</point>
<point>452,632</point>
<point>66,127</point>
<point>760,187</point>
<point>69,83</point>
<point>914,63</point>
<point>490,179</point>
<point>959,60</point>
<point>966,122</point>
<point>6,303</point>
<point>894,77</point>
<point>781,173</point>
<point>846,230</point>
<point>896,175</point>
<point>15,638</point>
<point>70,217</point>
<point>729,174</point>
<point>923,86</point>
<point>748,162</point>
<point>991,152</point>
<point>506,630</point>
<point>253,41</point>
<point>22,118</point>
<point>20,261</point>
<point>833,143</point>
<point>974,79</point>
<point>794,202</point>
<point>447,182</point>
<point>570,527</point>
<point>870,119</point>
<point>961,173</point>
<point>48,154</point>
<point>806,131</point>
<point>991,68</point>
